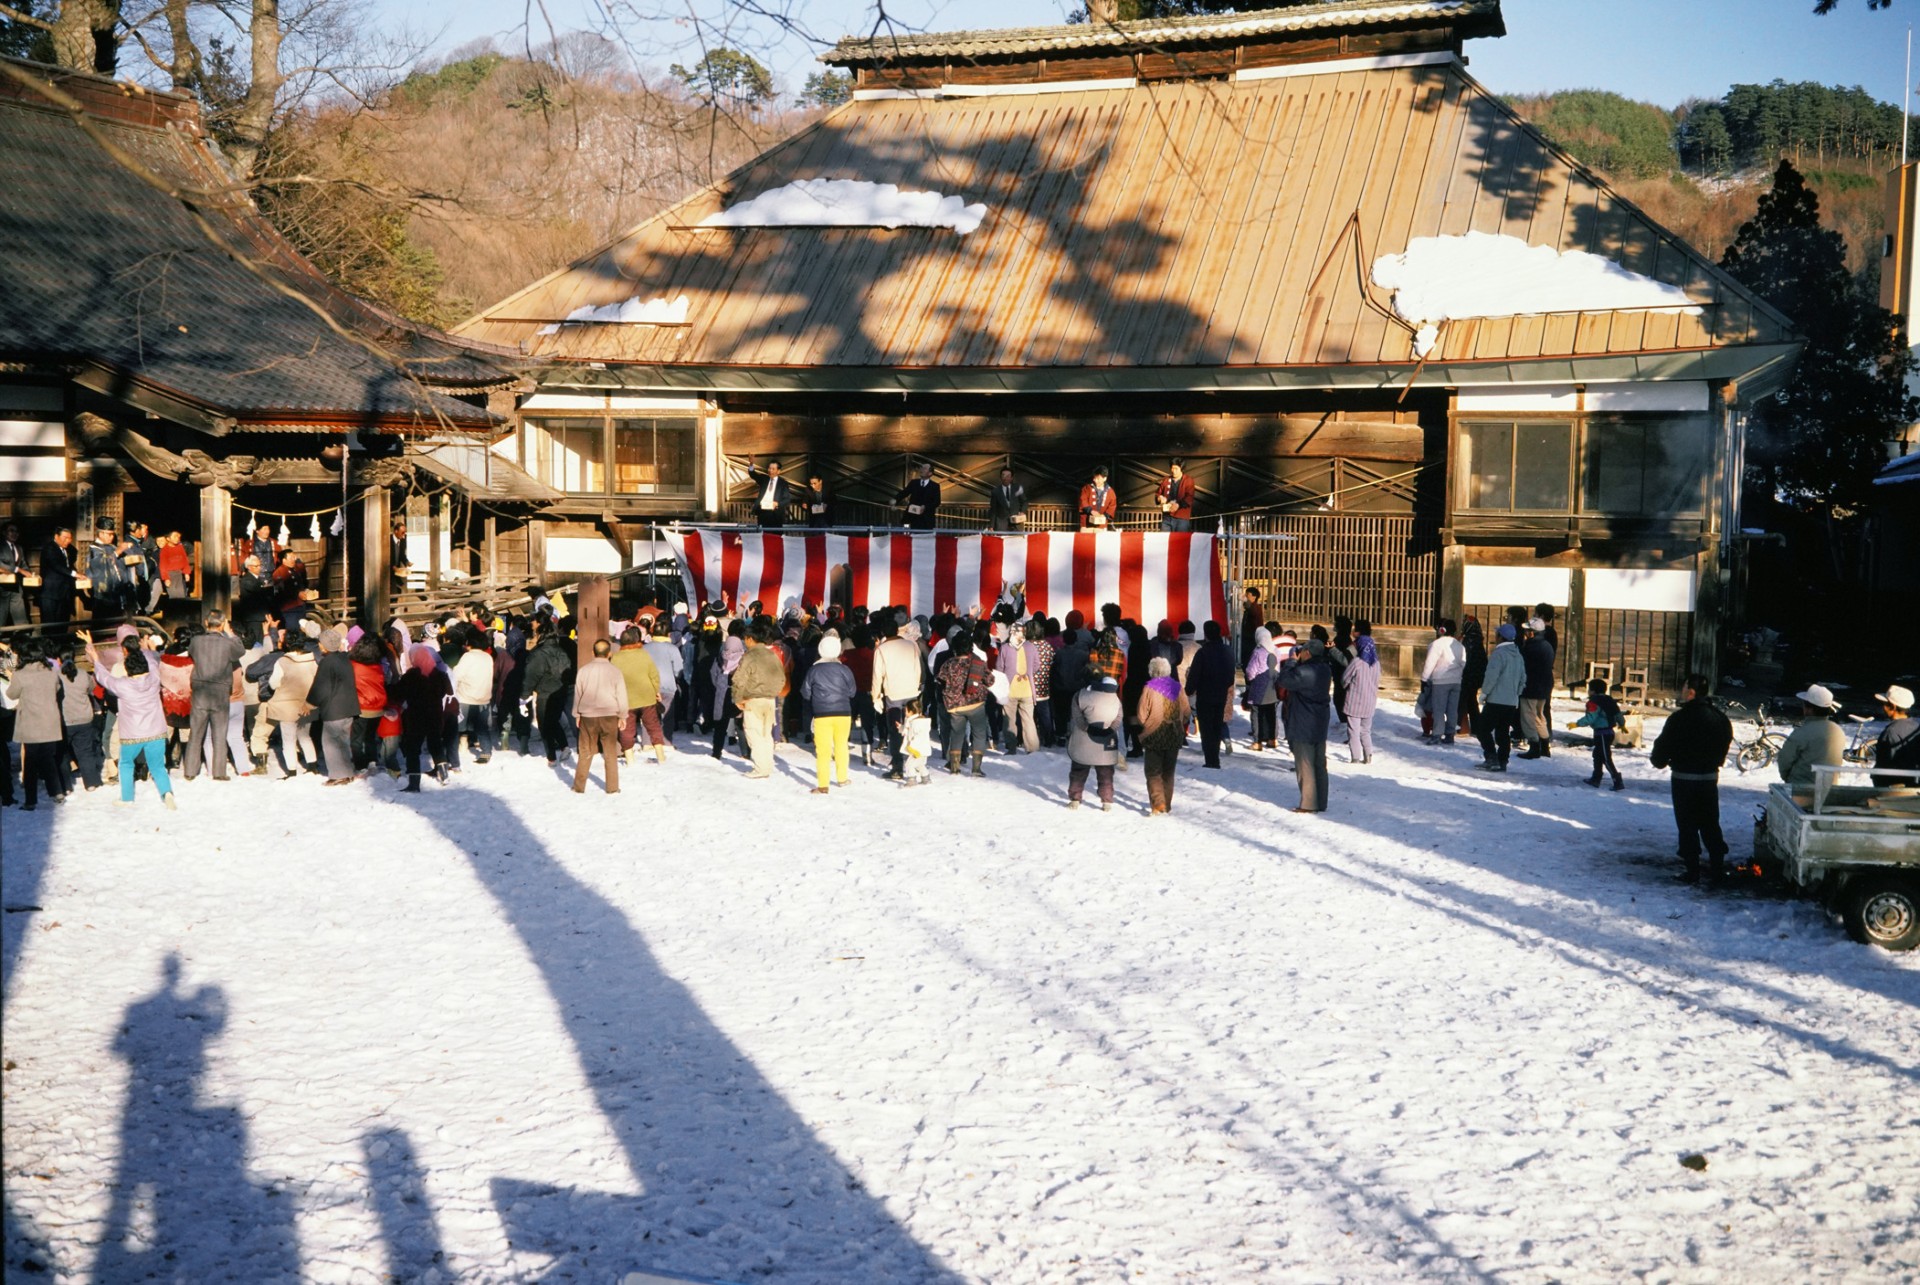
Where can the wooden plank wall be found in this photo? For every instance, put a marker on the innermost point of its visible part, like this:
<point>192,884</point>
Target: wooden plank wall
<point>1659,641</point>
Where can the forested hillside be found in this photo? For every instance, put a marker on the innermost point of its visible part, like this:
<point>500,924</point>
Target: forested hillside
<point>469,179</point>
<point>1700,167</point>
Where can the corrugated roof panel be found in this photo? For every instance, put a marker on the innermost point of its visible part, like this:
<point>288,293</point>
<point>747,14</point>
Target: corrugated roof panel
<point>104,268</point>
<point>1180,223</point>
<point>1248,324</point>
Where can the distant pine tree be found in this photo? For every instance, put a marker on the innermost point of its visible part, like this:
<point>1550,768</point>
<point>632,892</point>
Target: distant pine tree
<point>1817,442</point>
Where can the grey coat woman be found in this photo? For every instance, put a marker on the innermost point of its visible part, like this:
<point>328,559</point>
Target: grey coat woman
<point>1362,677</point>
<point>36,689</point>
<point>1096,706</point>
<point>38,729</point>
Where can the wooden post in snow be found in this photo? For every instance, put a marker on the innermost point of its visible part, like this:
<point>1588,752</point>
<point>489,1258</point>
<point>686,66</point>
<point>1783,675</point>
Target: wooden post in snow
<point>596,607</point>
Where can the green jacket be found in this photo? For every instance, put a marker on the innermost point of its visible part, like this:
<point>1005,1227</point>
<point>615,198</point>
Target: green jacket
<point>642,675</point>
<point>760,675</point>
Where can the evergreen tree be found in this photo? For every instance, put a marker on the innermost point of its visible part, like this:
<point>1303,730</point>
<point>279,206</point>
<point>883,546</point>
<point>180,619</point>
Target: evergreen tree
<point>27,36</point>
<point>826,89</point>
<point>1817,442</point>
<point>727,74</point>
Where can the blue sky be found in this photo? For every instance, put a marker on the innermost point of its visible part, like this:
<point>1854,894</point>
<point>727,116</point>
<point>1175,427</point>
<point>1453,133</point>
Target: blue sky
<point>1660,50</point>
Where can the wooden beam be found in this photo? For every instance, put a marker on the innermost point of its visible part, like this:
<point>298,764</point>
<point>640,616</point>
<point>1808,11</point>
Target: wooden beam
<point>1243,436</point>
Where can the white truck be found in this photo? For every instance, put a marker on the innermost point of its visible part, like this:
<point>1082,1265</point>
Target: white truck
<point>1855,845</point>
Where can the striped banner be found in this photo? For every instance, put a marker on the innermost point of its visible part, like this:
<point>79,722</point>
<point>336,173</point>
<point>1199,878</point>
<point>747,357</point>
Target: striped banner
<point>1154,576</point>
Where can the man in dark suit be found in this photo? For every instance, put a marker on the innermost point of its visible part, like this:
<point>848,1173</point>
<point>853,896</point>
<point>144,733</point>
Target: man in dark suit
<point>1007,507</point>
<point>921,497</point>
<point>770,505</point>
<point>13,567</point>
<point>819,503</point>
<point>57,579</point>
<point>398,563</point>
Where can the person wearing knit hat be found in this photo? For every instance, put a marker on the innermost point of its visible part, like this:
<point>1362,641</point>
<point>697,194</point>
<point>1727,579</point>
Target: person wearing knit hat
<point>422,694</point>
<point>1899,745</point>
<point>828,689</point>
<point>1500,689</point>
<point>336,703</point>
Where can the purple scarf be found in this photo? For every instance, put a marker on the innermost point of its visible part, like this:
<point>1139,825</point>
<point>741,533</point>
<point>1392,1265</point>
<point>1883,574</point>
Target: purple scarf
<point>1365,647</point>
<point>1168,686</point>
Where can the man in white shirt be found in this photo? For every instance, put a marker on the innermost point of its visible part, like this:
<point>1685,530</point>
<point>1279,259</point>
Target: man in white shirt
<point>770,505</point>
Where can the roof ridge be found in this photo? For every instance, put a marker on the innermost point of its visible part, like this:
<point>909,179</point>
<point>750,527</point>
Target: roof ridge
<point>850,50</point>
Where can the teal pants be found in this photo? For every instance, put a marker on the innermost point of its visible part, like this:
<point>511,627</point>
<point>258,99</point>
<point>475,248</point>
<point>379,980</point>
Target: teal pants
<point>155,753</point>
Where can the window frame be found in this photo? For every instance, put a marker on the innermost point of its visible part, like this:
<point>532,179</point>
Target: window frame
<point>1583,427</point>
<point>539,459</point>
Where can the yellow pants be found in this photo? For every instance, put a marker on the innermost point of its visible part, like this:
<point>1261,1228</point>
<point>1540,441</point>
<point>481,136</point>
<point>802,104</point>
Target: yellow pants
<point>830,737</point>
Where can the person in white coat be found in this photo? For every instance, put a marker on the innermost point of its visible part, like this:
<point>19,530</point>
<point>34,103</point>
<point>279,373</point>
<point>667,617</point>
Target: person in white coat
<point>473,688</point>
<point>1095,743</point>
<point>1441,674</point>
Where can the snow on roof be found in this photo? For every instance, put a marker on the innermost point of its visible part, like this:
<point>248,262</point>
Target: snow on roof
<point>840,202</point>
<point>1904,469</point>
<point>1445,278</point>
<point>627,312</point>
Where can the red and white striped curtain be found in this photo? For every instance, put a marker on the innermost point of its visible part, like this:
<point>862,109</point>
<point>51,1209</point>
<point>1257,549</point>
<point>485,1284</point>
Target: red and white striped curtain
<point>1154,576</point>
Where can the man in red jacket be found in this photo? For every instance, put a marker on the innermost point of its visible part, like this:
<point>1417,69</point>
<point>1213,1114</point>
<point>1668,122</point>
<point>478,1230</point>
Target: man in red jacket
<point>1099,503</point>
<point>1175,498</point>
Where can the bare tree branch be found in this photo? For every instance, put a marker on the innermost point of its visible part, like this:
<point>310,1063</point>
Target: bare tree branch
<point>191,200</point>
<point>8,11</point>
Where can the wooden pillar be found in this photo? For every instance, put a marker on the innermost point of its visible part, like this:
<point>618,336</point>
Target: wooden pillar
<point>216,548</point>
<point>491,539</point>
<point>1453,583</point>
<point>1709,612</point>
<point>374,585</point>
<point>595,610</point>
<point>435,521</point>
<point>1573,632</point>
<point>537,550</point>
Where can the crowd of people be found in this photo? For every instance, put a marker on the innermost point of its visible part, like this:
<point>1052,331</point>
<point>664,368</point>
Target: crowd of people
<point>282,688</point>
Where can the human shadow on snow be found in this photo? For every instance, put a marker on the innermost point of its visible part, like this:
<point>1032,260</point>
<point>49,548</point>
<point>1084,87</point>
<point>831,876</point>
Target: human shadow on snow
<point>183,1205</point>
<point>733,1183</point>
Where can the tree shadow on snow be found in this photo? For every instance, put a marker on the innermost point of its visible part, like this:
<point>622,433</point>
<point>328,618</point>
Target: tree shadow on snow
<point>1380,805</point>
<point>26,859</point>
<point>183,1206</point>
<point>734,1184</point>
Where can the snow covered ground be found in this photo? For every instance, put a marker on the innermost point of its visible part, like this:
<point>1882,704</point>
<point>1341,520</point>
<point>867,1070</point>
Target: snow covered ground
<point>1459,1028</point>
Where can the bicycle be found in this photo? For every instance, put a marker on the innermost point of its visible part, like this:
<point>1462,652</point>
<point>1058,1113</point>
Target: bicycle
<point>1760,751</point>
<point>1859,748</point>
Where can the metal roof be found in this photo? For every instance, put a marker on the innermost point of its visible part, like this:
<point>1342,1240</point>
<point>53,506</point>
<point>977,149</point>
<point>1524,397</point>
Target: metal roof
<point>1197,226</point>
<point>103,268</point>
<point>1896,472</point>
<point>1157,33</point>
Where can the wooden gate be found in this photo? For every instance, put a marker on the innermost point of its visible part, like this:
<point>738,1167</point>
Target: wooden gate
<point>1310,567</point>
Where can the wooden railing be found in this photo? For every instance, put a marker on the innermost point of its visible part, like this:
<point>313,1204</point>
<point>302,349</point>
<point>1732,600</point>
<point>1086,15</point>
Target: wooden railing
<point>952,517</point>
